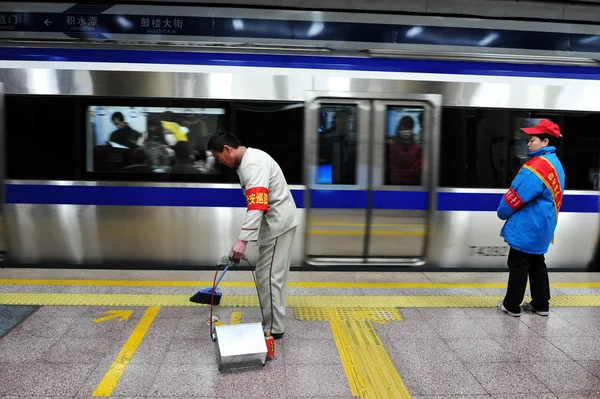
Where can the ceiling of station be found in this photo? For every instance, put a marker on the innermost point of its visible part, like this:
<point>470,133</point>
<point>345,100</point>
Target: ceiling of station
<point>552,10</point>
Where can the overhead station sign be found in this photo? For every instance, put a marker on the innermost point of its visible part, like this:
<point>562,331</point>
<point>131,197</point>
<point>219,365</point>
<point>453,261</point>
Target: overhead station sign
<point>305,28</point>
<point>94,22</point>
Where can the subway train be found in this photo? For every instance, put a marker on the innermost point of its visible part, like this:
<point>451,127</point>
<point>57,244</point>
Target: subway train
<point>394,163</point>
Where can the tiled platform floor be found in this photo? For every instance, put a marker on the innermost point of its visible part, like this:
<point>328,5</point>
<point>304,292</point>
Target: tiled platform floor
<point>58,351</point>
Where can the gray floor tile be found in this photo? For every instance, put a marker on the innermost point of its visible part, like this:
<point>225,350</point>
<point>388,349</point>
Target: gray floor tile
<point>136,380</point>
<point>406,329</point>
<point>180,312</point>
<point>62,311</point>
<point>82,350</point>
<point>311,351</point>
<point>590,325</point>
<point>438,378</point>
<point>20,349</point>
<point>592,366</point>
<point>578,348</point>
<point>506,378</point>
<point>546,395</point>
<point>554,327</point>
<point>188,380</point>
<point>196,327</point>
<point>151,350</point>
<point>301,380</point>
<point>564,376</point>
<point>506,327</point>
<point>41,379</point>
<point>533,349</point>
<point>267,382</point>
<point>481,350</point>
<point>485,313</point>
<point>44,326</point>
<point>453,397</point>
<point>308,329</point>
<point>415,350</point>
<point>578,395</point>
<point>458,328</point>
<point>567,312</point>
<point>191,351</point>
<point>442,313</point>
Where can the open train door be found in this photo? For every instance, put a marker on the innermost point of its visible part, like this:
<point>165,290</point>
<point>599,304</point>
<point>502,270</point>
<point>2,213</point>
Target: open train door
<point>3,243</point>
<point>370,160</point>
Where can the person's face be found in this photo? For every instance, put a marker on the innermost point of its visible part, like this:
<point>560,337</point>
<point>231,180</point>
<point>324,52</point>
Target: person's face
<point>404,134</point>
<point>535,143</point>
<point>119,124</point>
<point>226,157</point>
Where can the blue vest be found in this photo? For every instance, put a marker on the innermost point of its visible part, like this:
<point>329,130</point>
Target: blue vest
<point>528,208</point>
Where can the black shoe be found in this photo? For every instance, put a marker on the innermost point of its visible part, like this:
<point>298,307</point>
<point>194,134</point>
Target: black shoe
<point>277,336</point>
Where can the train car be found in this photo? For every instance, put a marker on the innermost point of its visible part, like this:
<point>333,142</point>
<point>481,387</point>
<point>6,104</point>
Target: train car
<point>392,162</point>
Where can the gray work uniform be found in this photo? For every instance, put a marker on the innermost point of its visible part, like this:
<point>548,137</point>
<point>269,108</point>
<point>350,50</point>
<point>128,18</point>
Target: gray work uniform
<point>271,221</point>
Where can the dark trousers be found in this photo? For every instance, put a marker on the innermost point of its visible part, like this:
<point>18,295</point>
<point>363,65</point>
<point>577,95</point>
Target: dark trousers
<point>522,264</point>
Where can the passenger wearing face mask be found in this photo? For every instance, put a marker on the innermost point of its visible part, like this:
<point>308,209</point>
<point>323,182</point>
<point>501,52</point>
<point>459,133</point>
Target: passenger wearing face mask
<point>404,156</point>
<point>530,208</point>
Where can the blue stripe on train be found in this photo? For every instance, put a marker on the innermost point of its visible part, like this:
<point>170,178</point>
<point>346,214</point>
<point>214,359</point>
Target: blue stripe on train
<point>299,61</point>
<point>212,197</point>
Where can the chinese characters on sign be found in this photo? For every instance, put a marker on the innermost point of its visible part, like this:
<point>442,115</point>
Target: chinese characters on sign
<point>162,25</point>
<point>8,21</point>
<point>81,23</point>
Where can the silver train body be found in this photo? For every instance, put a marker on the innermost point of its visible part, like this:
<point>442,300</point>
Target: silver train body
<point>365,225</point>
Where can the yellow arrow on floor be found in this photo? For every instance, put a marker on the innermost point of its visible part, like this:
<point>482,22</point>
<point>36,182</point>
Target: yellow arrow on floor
<point>115,314</point>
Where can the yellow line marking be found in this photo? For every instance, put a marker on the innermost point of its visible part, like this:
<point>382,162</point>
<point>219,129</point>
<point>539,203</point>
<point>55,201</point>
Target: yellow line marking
<point>115,371</point>
<point>367,365</point>
<point>115,314</point>
<point>251,301</point>
<point>296,284</point>
<point>391,233</point>
<point>235,318</point>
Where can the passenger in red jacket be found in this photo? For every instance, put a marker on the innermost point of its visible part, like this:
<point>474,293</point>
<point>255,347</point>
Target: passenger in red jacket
<point>404,155</point>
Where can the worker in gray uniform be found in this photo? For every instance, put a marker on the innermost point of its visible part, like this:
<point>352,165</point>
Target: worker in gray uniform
<point>271,220</point>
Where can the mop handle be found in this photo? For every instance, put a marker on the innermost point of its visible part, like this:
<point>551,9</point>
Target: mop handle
<point>227,267</point>
<point>221,276</point>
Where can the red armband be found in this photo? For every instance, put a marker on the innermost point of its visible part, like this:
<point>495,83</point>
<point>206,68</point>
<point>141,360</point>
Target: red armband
<point>257,199</point>
<point>513,200</point>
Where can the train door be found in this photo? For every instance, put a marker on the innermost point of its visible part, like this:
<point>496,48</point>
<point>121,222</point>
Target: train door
<point>3,244</point>
<point>369,183</point>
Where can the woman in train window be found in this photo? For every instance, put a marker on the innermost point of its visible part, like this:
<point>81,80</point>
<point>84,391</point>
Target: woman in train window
<point>530,208</point>
<point>405,155</point>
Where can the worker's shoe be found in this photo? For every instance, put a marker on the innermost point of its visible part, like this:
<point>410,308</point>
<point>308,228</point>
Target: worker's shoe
<point>529,307</point>
<point>508,312</point>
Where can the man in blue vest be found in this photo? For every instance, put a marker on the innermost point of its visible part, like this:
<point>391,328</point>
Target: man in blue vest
<point>530,208</point>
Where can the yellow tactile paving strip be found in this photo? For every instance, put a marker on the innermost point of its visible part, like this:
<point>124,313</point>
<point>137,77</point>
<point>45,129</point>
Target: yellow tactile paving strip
<point>355,313</point>
<point>369,369</point>
<point>249,301</point>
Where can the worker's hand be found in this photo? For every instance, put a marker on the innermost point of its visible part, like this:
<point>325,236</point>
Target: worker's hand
<point>238,250</point>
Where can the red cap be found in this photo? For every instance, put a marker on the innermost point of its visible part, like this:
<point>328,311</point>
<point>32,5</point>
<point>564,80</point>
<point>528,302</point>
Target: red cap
<point>544,127</point>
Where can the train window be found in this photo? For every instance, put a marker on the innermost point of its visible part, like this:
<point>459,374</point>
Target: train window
<point>41,137</point>
<point>485,148</point>
<point>337,144</point>
<point>404,144</point>
<point>151,139</point>
<point>277,128</point>
<point>154,140</point>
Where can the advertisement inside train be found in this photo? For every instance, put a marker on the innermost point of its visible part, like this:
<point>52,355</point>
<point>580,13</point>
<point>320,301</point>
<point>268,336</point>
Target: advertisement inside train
<point>151,139</point>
